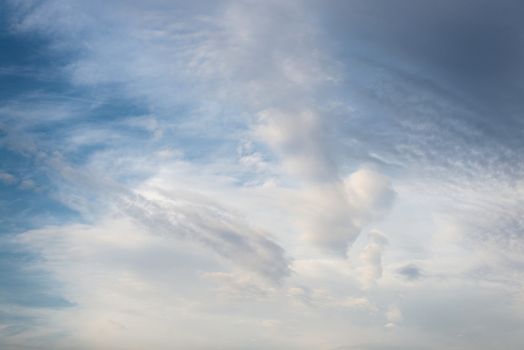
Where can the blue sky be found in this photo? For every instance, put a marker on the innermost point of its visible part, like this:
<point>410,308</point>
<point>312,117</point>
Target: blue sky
<point>261,174</point>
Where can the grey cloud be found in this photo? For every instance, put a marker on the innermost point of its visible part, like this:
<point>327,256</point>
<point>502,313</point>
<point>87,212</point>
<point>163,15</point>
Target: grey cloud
<point>410,272</point>
<point>434,85</point>
<point>213,227</point>
<point>463,38</point>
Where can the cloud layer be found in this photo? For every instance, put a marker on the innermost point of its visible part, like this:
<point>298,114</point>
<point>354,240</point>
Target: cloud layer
<point>273,175</point>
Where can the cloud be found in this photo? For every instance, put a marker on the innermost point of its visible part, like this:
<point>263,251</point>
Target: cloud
<point>226,46</point>
<point>305,150</point>
<point>237,286</point>
<point>213,227</point>
<point>136,289</point>
<point>322,298</point>
<point>410,272</point>
<point>371,258</point>
<point>203,145</point>
<point>126,283</point>
<point>334,214</point>
<point>394,316</point>
<point>370,194</point>
<point>7,178</point>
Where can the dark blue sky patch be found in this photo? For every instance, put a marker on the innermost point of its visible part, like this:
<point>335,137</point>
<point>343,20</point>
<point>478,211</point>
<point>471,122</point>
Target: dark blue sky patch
<point>22,285</point>
<point>26,62</point>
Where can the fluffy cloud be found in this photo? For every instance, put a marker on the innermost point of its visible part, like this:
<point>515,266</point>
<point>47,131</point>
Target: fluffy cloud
<point>334,214</point>
<point>301,142</point>
<point>371,258</point>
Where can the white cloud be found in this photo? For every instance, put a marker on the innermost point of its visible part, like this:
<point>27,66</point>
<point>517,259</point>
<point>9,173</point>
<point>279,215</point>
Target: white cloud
<point>370,195</point>
<point>130,290</point>
<point>299,139</point>
<point>394,316</point>
<point>334,214</point>
<point>371,258</point>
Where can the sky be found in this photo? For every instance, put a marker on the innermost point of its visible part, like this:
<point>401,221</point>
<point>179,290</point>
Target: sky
<point>241,174</point>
